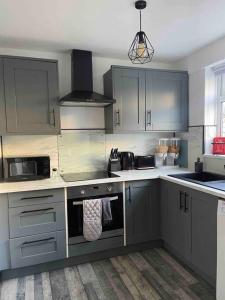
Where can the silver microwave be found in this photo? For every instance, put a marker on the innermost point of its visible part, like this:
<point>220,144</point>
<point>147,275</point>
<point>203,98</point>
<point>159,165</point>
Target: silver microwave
<point>26,168</point>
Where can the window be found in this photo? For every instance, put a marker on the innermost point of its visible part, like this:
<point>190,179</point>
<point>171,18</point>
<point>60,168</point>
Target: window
<point>220,96</point>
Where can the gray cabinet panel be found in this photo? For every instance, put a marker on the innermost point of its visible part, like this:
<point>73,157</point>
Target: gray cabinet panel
<point>204,237</point>
<point>175,219</point>
<point>36,197</point>
<point>37,249</point>
<point>4,233</point>
<point>129,91</point>
<point>36,219</point>
<point>166,100</point>
<point>31,95</point>
<point>142,211</point>
<point>2,100</point>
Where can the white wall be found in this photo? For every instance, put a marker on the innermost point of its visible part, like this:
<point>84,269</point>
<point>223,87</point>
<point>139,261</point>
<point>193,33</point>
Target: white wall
<point>195,64</point>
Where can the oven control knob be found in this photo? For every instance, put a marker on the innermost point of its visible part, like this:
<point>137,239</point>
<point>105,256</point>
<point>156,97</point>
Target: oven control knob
<point>82,192</point>
<point>109,188</point>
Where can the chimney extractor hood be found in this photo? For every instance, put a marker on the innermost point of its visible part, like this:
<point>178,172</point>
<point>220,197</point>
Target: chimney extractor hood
<point>82,83</point>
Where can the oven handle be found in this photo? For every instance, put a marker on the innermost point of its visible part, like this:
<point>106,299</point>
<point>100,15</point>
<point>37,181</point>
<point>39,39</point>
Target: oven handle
<point>110,199</point>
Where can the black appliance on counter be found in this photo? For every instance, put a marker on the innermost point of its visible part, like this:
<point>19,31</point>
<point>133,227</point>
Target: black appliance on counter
<point>71,177</point>
<point>127,160</point>
<point>144,162</point>
<point>112,232</point>
<point>26,168</point>
<point>114,164</point>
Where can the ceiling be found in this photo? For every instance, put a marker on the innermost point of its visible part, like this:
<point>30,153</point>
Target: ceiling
<point>176,28</point>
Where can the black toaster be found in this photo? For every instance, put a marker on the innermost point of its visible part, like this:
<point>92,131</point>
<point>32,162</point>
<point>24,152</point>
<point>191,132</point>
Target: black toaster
<point>144,162</point>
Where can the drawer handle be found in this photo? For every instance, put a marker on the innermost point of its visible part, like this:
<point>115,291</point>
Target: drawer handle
<point>36,210</point>
<point>37,197</point>
<point>42,241</point>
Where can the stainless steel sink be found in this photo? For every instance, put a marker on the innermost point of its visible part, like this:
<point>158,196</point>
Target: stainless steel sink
<point>208,179</point>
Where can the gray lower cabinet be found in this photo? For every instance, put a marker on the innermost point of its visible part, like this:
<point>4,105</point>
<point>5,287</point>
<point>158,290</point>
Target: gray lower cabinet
<point>36,227</point>
<point>142,211</point>
<point>189,227</point>
<point>30,96</point>
<point>4,233</point>
<point>146,100</point>
<point>37,218</point>
<point>36,249</point>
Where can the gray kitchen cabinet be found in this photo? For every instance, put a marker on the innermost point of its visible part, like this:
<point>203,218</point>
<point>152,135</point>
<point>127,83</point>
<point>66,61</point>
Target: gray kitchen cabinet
<point>31,96</point>
<point>175,219</point>
<point>189,227</point>
<point>146,100</point>
<point>204,234</point>
<point>128,113</point>
<point>4,233</point>
<point>166,100</point>
<point>37,249</point>
<point>142,211</point>
<point>2,100</point>
<point>39,218</point>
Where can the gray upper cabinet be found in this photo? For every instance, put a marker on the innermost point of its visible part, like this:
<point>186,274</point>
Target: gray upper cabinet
<point>146,100</point>
<point>128,113</point>
<point>31,96</point>
<point>166,100</point>
<point>142,211</point>
<point>2,100</point>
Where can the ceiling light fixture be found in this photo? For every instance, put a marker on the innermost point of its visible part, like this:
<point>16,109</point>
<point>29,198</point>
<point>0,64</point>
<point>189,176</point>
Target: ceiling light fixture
<point>141,50</point>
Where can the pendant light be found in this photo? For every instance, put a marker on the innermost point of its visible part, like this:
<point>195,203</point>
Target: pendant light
<point>141,50</point>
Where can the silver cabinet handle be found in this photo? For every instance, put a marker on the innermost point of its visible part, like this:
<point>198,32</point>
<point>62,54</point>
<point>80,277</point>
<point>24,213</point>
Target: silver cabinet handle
<point>149,117</point>
<point>52,117</point>
<point>118,117</point>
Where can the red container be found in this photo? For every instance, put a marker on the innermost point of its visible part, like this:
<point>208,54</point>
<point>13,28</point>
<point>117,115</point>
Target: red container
<point>219,145</point>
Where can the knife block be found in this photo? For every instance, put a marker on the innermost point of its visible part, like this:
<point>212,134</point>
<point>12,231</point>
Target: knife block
<point>114,165</point>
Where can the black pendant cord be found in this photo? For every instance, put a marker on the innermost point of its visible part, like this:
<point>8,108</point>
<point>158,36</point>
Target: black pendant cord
<point>140,19</point>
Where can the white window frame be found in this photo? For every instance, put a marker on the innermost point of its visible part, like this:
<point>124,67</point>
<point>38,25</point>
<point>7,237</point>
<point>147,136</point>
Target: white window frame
<point>220,99</point>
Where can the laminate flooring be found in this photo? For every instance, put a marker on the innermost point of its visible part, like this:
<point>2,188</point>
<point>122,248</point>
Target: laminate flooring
<point>152,274</point>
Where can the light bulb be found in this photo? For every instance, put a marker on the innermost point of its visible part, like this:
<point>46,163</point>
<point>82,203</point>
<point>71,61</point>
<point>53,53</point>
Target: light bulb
<point>141,49</point>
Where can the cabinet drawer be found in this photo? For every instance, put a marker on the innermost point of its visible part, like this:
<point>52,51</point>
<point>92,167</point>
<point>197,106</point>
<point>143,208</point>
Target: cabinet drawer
<point>36,197</point>
<point>37,249</point>
<point>33,219</point>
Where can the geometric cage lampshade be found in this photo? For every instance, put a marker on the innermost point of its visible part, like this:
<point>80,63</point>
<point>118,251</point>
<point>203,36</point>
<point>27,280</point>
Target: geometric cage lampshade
<point>141,50</point>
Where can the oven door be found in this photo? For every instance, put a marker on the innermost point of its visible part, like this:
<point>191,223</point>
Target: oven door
<point>109,228</point>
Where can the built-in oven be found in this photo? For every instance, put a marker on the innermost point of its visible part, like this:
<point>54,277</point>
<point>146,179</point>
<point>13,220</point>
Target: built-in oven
<point>76,195</point>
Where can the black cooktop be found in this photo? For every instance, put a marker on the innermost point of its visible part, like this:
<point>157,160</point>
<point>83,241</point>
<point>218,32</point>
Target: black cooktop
<point>70,177</point>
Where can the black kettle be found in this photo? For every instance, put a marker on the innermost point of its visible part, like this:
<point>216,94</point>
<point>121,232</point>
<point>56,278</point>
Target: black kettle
<point>127,160</point>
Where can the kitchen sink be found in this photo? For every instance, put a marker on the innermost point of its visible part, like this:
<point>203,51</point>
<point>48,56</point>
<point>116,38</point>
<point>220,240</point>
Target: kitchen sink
<point>202,177</point>
<point>208,179</point>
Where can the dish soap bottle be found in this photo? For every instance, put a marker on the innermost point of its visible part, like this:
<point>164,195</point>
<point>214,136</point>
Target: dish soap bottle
<point>198,166</point>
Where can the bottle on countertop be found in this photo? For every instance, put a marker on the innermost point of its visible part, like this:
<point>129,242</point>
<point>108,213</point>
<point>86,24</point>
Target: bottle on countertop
<point>198,166</point>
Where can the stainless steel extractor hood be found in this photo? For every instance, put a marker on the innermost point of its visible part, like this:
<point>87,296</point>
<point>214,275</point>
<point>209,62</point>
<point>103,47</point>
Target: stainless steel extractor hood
<point>82,83</point>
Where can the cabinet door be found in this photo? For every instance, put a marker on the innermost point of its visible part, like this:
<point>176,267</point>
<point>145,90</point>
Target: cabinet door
<point>166,100</point>
<point>142,212</point>
<point>175,219</point>
<point>129,92</point>
<point>31,92</point>
<point>204,234</point>
<point>2,101</point>
<point>4,233</point>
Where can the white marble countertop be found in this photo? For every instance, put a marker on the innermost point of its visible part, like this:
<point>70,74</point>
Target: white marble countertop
<point>58,182</point>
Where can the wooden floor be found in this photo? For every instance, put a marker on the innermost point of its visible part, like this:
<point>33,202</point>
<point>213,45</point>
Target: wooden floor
<point>151,274</point>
